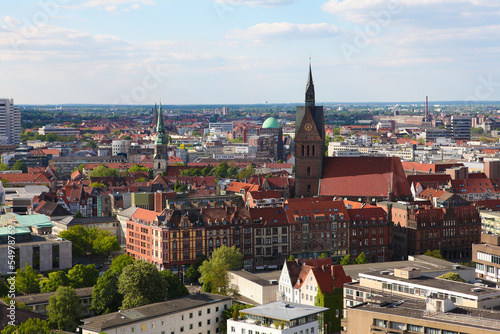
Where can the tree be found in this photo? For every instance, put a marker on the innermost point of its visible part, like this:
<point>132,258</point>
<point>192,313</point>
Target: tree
<point>138,168</point>
<point>80,168</point>
<point>121,262</point>
<point>346,260</point>
<point>214,271</point>
<point>30,326</point>
<point>291,258</point>
<point>78,236</point>
<point>78,214</point>
<point>97,185</point>
<point>4,288</point>
<point>55,280</point>
<point>434,253</point>
<point>322,256</point>
<point>4,167</point>
<point>141,283</point>
<point>91,144</point>
<point>246,173</point>
<point>27,280</point>
<point>104,171</point>
<point>91,240</point>
<point>361,258</point>
<point>229,313</point>
<point>81,276</point>
<point>64,309</point>
<point>19,165</point>
<point>105,244</point>
<point>175,288</point>
<point>105,296</point>
<point>193,272</point>
<point>451,276</point>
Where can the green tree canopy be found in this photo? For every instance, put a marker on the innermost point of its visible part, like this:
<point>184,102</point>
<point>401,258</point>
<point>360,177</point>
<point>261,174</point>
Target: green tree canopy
<point>4,167</point>
<point>451,276</point>
<point>105,296</point>
<point>246,173</point>
<point>121,262</point>
<point>81,276</point>
<point>105,171</point>
<point>30,326</point>
<point>434,253</point>
<point>138,168</point>
<point>193,272</point>
<point>90,241</point>
<point>214,271</point>
<point>141,283</point>
<point>228,314</point>
<point>27,280</point>
<point>55,280</point>
<point>64,309</point>
<point>291,258</point>
<point>361,258</point>
<point>175,288</point>
<point>346,260</point>
<point>19,165</point>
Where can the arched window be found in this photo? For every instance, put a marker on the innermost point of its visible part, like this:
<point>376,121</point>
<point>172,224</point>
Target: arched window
<point>308,171</point>
<point>314,150</point>
<point>307,150</point>
<point>302,150</point>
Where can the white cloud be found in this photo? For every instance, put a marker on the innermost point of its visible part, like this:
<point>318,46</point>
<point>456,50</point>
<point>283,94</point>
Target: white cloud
<point>254,3</point>
<point>111,5</point>
<point>284,31</point>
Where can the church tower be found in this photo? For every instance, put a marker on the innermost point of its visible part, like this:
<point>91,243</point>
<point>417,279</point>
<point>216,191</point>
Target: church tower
<point>309,144</point>
<point>160,159</point>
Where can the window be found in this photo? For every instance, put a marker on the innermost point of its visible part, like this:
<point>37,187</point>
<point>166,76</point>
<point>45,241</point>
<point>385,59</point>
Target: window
<point>208,322</point>
<point>133,330</point>
<point>199,313</point>
<point>217,309</point>
<point>190,326</point>
<point>191,315</point>
<point>182,329</point>
<point>233,329</point>
<point>199,324</point>
<point>208,311</point>
<point>430,330</point>
<point>243,331</point>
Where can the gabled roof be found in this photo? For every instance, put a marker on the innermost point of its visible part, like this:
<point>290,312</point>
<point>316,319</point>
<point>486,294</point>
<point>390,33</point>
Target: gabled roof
<point>364,177</point>
<point>51,209</point>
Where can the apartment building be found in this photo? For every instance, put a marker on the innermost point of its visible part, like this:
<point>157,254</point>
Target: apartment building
<point>193,314</point>
<point>10,123</point>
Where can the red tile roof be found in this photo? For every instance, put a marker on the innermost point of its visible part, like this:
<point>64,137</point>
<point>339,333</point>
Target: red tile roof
<point>364,176</point>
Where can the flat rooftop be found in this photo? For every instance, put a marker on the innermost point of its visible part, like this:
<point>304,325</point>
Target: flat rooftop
<point>151,311</point>
<point>285,311</point>
<point>427,264</point>
<point>416,309</point>
<point>430,283</point>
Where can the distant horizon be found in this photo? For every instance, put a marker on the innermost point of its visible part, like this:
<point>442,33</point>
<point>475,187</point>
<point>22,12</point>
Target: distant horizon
<point>431,103</point>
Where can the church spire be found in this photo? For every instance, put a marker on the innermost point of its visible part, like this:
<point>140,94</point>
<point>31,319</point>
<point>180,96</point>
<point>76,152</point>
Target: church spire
<point>310,98</point>
<point>160,128</point>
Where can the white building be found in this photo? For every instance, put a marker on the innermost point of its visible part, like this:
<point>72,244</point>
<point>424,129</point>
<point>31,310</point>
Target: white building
<point>193,314</point>
<point>277,318</point>
<point>10,122</point>
<point>258,290</point>
<point>121,146</point>
<point>58,130</point>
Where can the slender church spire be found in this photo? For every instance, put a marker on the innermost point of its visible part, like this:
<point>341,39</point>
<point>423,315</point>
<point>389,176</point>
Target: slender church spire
<point>310,96</point>
<point>160,128</point>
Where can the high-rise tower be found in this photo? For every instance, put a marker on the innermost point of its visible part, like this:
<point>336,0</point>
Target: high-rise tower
<point>160,159</point>
<point>309,144</point>
<point>10,123</point>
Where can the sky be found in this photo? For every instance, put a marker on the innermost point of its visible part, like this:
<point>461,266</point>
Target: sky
<point>248,51</point>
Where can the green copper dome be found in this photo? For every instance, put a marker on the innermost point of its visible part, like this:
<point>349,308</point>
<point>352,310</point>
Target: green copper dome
<point>271,123</point>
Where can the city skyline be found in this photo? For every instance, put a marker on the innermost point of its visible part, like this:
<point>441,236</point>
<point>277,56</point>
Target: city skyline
<point>248,51</point>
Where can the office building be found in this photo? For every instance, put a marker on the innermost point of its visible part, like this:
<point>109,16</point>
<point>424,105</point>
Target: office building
<point>10,123</point>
